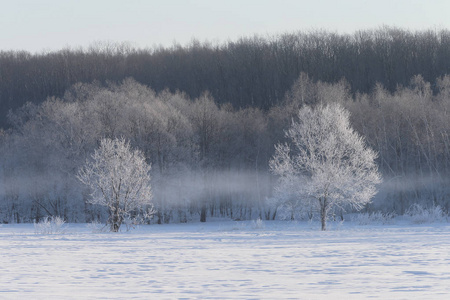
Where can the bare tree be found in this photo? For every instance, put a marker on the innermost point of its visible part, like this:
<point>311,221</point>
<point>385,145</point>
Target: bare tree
<point>119,179</point>
<point>329,161</point>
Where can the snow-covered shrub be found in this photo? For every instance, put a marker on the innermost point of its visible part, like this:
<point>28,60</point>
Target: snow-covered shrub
<point>132,222</point>
<point>258,224</point>
<point>143,217</point>
<point>239,226</point>
<point>374,218</point>
<point>97,227</point>
<point>50,225</point>
<point>419,214</point>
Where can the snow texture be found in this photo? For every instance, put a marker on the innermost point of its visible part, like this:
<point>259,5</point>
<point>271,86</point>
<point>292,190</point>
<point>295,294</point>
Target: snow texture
<point>228,260</point>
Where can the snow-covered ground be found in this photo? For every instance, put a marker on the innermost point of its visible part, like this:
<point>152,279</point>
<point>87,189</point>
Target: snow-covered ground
<point>228,260</point>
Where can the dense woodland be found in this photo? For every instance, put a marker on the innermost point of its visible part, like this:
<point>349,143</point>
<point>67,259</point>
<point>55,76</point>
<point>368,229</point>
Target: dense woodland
<point>250,72</point>
<point>207,118</point>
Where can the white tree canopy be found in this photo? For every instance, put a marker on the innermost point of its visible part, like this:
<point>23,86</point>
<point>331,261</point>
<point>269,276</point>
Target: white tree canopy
<point>118,178</point>
<point>326,161</point>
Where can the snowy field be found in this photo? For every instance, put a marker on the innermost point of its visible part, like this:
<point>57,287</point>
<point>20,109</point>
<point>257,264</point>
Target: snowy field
<point>228,260</point>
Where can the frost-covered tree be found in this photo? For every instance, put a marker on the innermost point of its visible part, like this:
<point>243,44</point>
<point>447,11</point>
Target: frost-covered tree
<point>119,179</point>
<point>326,162</point>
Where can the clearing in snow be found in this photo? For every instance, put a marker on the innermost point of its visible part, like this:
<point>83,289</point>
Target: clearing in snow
<point>228,260</point>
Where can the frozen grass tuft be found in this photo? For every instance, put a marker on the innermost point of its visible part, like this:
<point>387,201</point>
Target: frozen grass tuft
<point>416,214</point>
<point>420,215</point>
<point>97,227</point>
<point>258,224</point>
<point>239,226</point>
<point>374,218</point>
<point>50,225</point>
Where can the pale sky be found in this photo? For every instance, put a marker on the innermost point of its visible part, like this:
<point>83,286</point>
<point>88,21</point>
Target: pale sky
<point>48,25</point>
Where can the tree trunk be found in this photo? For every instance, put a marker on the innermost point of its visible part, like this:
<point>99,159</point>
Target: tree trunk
<point>323,213</point>
<point>203,213</point>
<point>115,223</point>
<point>115,217</point>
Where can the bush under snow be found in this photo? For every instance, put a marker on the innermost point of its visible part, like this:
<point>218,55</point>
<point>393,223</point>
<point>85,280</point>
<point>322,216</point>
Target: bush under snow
<point>419,214</point>
<point>374,218</point>
<point>50,225</point>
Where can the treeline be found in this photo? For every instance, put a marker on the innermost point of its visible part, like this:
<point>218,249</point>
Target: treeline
<point>251,72</point>
<point>210,159</point>
<point>205,159</point>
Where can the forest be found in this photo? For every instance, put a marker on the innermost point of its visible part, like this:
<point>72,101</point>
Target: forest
<point>250,72</point>
<point>207,118</point>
